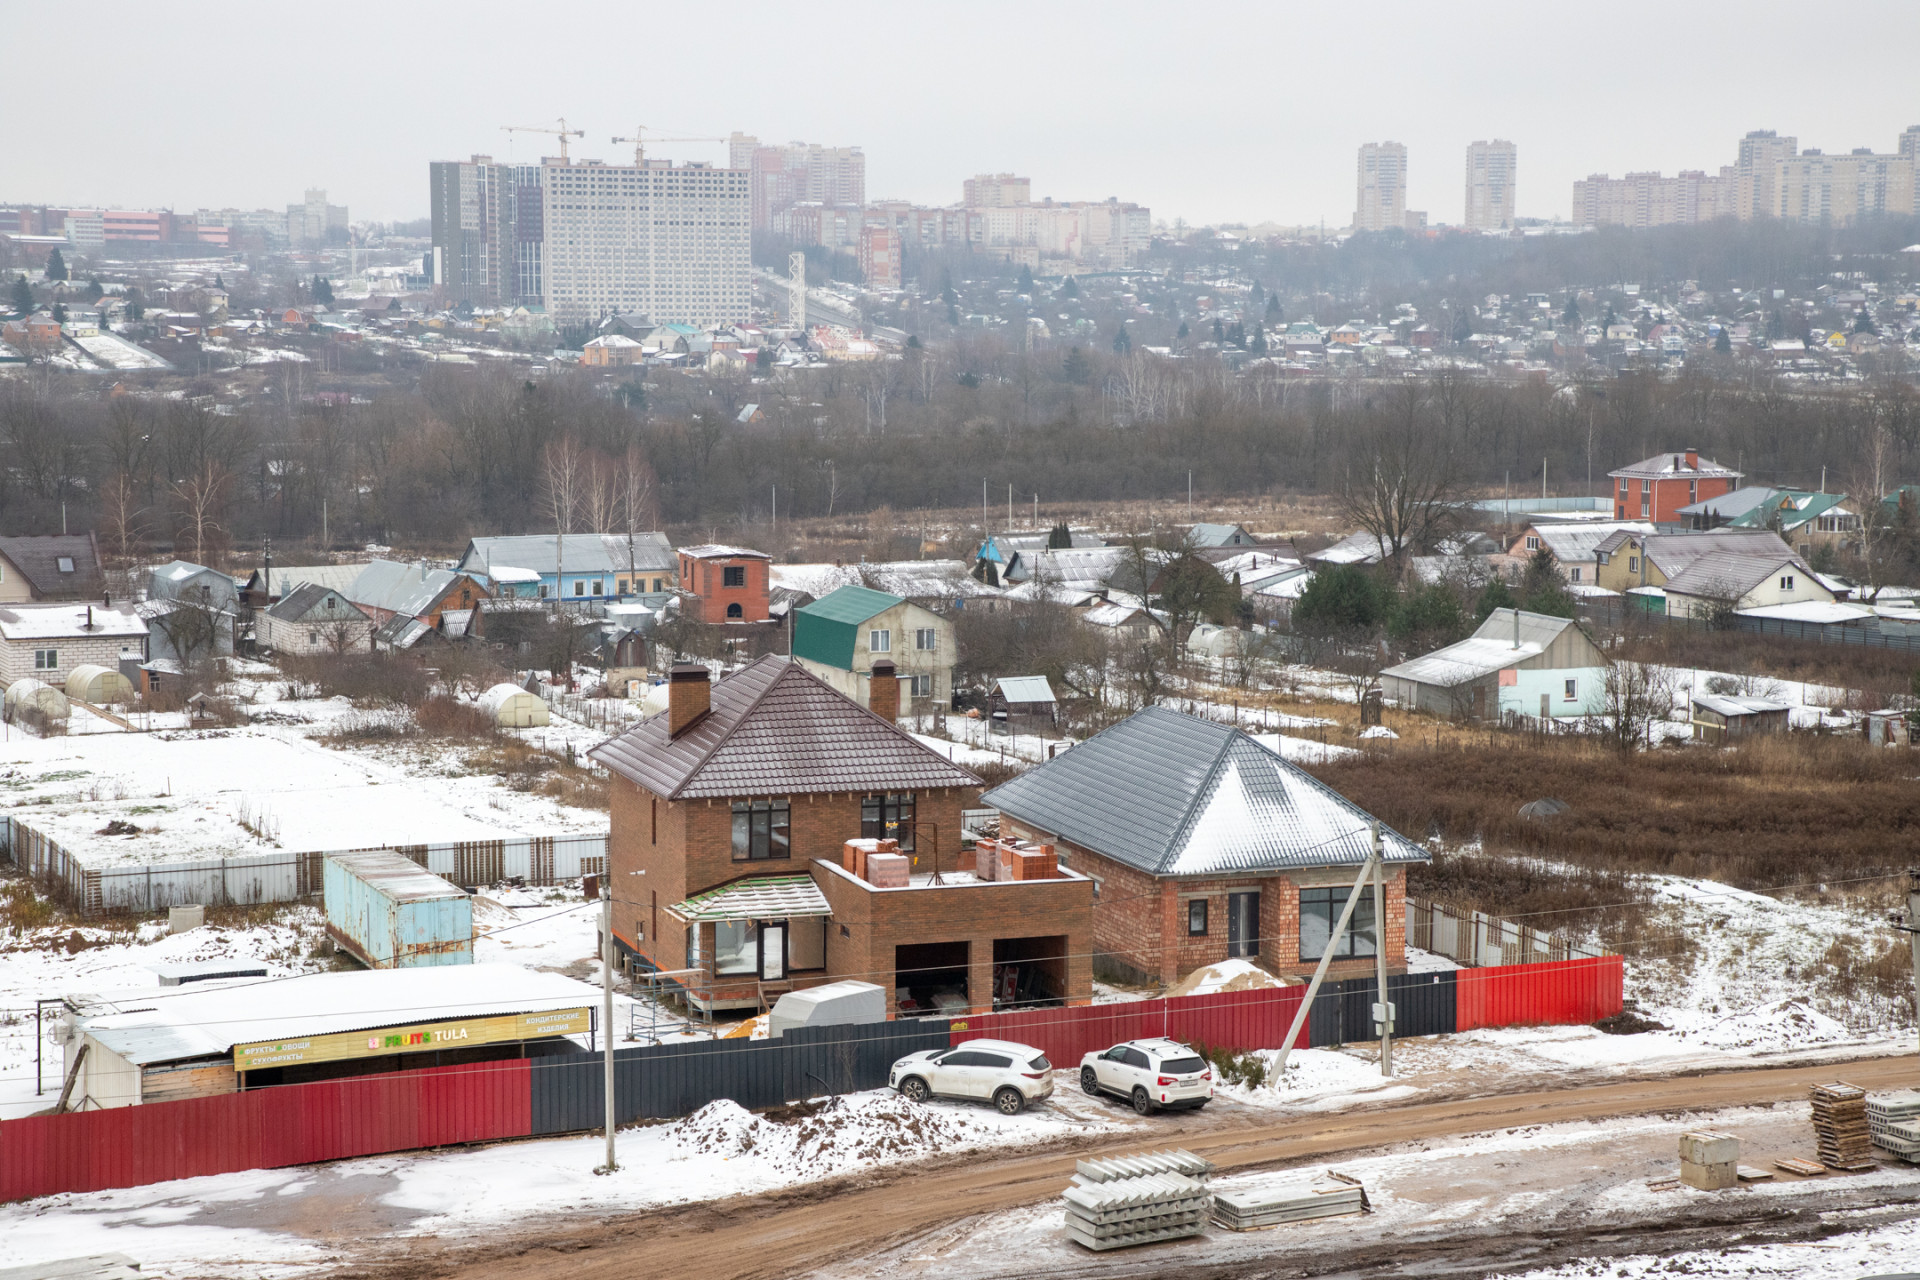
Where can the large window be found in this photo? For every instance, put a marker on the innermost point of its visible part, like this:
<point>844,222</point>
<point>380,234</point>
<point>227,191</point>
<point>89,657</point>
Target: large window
<point>1320,910</point>
<point>1197,918</point>
<point>760,830</point>
<point>733,947</point>
<point>888,817</point>
<point>733,575</point>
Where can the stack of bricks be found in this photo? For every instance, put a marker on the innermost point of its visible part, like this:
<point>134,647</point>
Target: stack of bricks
<point>1709,1161</point>
<point>857,856</point>
<point>1841,1133</point>
<point>1014,860</point>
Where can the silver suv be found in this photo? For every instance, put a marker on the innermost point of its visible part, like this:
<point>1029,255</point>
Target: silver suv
<point>1150,1074</point>
<point>1011,1074</point>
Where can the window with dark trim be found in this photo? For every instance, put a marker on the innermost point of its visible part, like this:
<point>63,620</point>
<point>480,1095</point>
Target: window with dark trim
<point>888,817</point>
<point>760,830</point>
<point>1320,910</point>
<point>653,807</point>
<point>733,575</point>
<point>1197,918</point>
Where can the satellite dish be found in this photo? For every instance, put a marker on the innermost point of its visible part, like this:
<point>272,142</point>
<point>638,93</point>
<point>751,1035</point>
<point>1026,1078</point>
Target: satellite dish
<point>1543,809</point>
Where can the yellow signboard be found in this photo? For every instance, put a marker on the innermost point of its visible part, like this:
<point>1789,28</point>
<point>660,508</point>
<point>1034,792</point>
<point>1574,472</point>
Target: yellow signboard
<point>421,1037</point>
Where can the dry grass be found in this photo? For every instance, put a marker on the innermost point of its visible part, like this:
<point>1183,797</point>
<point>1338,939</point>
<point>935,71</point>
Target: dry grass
<point>1872,675</point>
<point>528,769</point>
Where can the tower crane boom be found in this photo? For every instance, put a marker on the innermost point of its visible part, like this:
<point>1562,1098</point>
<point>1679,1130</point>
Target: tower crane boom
<point>640,140</point>
<point>563,133</point>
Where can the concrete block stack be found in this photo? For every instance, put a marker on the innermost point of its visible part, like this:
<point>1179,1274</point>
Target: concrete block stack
<point>1295,1200</point>
<point>1894,1121</point>
<point>854,855</point>
<point>1709,1161</point>
<point>1131,1200</point>
<point>888,870</point>
<point>1841,1135</point>
<point>1014,860</point>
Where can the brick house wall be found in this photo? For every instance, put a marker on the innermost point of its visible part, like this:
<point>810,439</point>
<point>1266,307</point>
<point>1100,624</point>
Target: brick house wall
<point>705,578</point>
<point>282,636</point>
<point>868,924</point>
<point>16,656</point>
<point>1140,920</point>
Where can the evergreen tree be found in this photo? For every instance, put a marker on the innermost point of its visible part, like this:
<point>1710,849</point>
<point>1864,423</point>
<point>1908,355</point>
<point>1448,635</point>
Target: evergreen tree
<point>1257,294</point>
<point>1122,344</point>
<point>1076,367</point>
<point>59,313</point>
<point>22,295</point>
<point>1237,335</point>
<point>1274,316</point>
<point>913,342</point>
<point>969,380</point>
<point>136,303</point>
<point>1722,343</point>
<point>1025,284</point>
<point>1342,597</point>
<point>763,359</point>
<point>93,292</point>
<point>322,290</point>
<point>1543,590</point>
<point>947,295</point>
<point>1607,321</point>
<point>953,314</point>
<point>1219,333</point>
<point>1183,330</point>
<point>1257,341</point>
<point>1463,326</point>
<point>56,266</point>
<point>1570,317</point>
<point>1863,323</point>
<point>1059,538</point>
<point>218,283</point>
<point>1496,595</point>
<point>1071,289</point>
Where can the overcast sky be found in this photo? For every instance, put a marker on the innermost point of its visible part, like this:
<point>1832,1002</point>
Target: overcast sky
<point>1209,112</point>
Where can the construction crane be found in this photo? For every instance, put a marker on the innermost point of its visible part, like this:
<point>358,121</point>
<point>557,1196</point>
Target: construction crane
<point>639,141</point>
<point>563,133</point>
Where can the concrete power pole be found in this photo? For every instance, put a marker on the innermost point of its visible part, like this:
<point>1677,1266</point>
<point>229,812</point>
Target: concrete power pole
<point>1908,922</point>
<point>797,290</point>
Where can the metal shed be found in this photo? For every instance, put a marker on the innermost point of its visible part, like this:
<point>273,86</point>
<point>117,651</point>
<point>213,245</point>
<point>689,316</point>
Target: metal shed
<point>389,912</point>
<point>1724,718</point>
<point>513,707</point>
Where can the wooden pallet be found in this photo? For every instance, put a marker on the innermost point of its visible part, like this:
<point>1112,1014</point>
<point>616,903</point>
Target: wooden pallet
<point>1805,1168</point>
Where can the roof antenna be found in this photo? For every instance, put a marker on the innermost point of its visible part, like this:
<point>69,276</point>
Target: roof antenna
<point>1516,626</point>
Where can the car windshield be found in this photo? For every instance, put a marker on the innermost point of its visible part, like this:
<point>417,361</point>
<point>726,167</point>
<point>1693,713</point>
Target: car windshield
<point>1040,1064</point>
<point>1182,1066</point>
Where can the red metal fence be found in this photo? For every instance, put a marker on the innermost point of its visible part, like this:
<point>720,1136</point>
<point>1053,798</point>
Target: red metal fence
<point>1228,1020</point>
<point>1567,992</point>
<point>263,1129</point>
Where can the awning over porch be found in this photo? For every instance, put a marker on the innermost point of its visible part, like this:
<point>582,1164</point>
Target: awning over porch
<point>762,897</point>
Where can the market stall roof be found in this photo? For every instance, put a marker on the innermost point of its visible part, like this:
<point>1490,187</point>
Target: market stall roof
<point>762,897</point>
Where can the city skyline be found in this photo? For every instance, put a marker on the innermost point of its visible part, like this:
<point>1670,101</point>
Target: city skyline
<point>1095,126</point>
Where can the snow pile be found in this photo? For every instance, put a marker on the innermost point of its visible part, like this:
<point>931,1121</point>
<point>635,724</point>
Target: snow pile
<point>1773,1028</point>
<point>1228,975</point>
<point>1378,731</point>
<point>828,1137</point>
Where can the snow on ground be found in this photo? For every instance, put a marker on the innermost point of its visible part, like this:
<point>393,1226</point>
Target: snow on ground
<point>1849,1255</point>
<point>1302,750</point>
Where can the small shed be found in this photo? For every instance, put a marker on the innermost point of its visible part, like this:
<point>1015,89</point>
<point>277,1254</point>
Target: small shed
<point>98,685</point>
<point>389,912</point>
<point>837,1004</point>
<point>513,707</point>
<point>32,698</point>
<point>1725,718</point>
<point>1022,700</point>
<point>1892,728</point>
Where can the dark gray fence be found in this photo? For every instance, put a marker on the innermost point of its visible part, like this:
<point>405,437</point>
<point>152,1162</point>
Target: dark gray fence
<point>1868,632</point>
<point>657,1082</point>
<point>1424,1005</point>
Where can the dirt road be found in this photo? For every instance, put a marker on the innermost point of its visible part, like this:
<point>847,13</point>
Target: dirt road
<point>794,1233</point>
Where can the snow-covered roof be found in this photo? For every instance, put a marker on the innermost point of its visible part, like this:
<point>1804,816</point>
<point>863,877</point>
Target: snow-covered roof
<point>1172,794</point>
<point>1730,575</point>
<point>1024,688</point>
<point>63,621</point>
<point>507,575</point>
<point>720,551</point>
<point>1674,465</point>
<point>1728,705</point>
<point>1816,611</point>
<point>1507,637</point>
<point>1110,614</point>
<point>208,1019</point>
<point>761,897</point>
<point>1581,542</point>
<point>580,552</point>
<point>1355,548</point>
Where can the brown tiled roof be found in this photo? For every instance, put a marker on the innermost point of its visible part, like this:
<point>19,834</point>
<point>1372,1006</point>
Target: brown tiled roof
<point>777,729</point>
<point>38,560</point>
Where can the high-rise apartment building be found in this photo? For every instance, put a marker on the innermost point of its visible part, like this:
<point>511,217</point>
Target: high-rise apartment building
<point>1381,204</point>
<point>1840,190</point>
<point>1651,200</point>
<point>486,221</point>
<point>314,221</point>
<point>669,241</point>
<point>880,255</point>
<point>800,172</point>
<point>1755,169</point>
<point>1492,168</point>
<point>995,191</point>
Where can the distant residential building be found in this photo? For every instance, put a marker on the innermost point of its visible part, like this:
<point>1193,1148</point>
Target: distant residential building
<point>840,636</point>
<point>610,350</point>
<point>487,224</point>
<point>1381,201</point>
<point>1516,663</point>
<point>1760,154</point>
<point>1492,171</point>
<point>315,222</point>
<point>314,619</point>
<point>668,240</point>
<point>880,257</point>
<point>1729,580</point>
<point>581,566</point>
<point>1656,488</point>
<point>1649,200</point>
<point>50,567</point>
<point>996,191</point>
<point>1839,190</point>
<point>725,584</point>
<point>780,177</point>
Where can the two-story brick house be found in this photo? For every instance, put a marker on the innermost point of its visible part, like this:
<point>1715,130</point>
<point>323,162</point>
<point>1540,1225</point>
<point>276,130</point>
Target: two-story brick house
<point>724,585</point>
<point>1206,845</point>
<point>731,817</point>
<point>1656,488</point>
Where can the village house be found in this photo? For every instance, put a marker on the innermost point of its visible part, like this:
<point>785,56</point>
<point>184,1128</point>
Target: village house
<point>1515,663</point>
<point>1574,546</point>
<point>1630,559</point>
<point>724,584</point>
<point>1803,519</point>
<point>749,842</point>
<point>585,567</point>
<point>51,567</point>
<point>189,583</point>
<point>314,619</point>
<point>1206,846</point>
<point>840,637</point>
<point>1726,581</point>
<point>1656,488</point>
<point>46,641</point>
<point>387,590</point>
<point>269,583</point>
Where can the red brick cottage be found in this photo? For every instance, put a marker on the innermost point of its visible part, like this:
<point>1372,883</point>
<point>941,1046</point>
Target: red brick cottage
<point>1205,845</point>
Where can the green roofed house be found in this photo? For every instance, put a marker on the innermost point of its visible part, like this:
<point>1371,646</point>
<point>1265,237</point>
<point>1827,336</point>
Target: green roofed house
<point>842,634</point>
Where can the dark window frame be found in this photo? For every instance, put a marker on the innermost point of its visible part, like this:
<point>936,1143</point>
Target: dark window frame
<point>733,575</point>
<point>888,816</point>
<point>1327,904</point>
<point>1197,906</point>
<point>762,830</point>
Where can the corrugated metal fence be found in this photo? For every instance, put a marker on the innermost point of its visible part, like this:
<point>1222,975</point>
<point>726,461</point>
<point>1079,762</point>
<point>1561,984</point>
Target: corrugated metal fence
<point>367,1115</point>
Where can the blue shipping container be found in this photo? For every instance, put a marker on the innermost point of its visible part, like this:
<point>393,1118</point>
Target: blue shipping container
<point>388,912</point>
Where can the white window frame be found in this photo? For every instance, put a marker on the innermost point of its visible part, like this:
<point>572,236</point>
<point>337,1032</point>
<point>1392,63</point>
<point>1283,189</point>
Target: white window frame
<point>926,639</point>
<point>1573,691</point>
<point>46,659</point>
<point>879,640</point>
<point>919,686</point>
<point>1786,582</point>
<point>1533,543</point>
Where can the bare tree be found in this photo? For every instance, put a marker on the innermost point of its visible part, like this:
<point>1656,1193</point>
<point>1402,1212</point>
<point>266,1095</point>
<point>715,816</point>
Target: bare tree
<point>566,474</point>
<point>1635,696</point>
<point>202,498</point>
<point>1401,476</point>
<point>120,511</point>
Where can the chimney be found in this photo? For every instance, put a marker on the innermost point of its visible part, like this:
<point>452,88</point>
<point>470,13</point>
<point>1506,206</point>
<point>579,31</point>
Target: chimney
<point>689,696</point>
<point>883,691</point>
<point>1693,459</point>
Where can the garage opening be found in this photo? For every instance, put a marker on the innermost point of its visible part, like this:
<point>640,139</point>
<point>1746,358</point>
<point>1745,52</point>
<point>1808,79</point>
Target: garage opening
<point>1029,972</point>
<point>931,977</point>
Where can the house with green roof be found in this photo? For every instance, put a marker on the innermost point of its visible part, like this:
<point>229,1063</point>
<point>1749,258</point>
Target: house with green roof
<point>842,634</point>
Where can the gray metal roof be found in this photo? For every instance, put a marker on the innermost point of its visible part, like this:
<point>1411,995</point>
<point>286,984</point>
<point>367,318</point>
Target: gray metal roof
<point>411,589</point>
<point>285,579</point>
<point>307,597</point>
<point>1025,689</point>
<point>1729,705</point>
<point>1730,575</point>
<point>1673,552</point>
<point>580,553</point>
<point>1170,794</point>
<point>1507,636</point>
<point>777,729</point>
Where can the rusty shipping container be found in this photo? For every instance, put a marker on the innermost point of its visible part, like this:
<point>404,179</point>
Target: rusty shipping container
<point>388,912</point>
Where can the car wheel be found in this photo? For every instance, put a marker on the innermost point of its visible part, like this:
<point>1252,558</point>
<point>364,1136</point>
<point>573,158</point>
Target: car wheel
<point>916,1089</point>
<point>1009,1100</point>
<point>1089,1082</point>
<point>1142,1102</point>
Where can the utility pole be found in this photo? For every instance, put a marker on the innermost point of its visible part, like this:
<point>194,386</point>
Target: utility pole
<point>1326,958</point>
<point>1383,1010</point>
<point>606,1002</point>
<point>1908,922</point>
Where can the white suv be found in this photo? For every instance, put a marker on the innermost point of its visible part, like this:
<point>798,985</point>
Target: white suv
<point>1150,1074</point>
<point>1012,1075</point>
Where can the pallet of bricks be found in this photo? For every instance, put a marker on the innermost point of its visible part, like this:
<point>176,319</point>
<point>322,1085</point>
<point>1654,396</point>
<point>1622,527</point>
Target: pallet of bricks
<point>1014,860</point>
<point>1894,1121</point>
<point>1841,1136</point>
<point>1118,1203</point>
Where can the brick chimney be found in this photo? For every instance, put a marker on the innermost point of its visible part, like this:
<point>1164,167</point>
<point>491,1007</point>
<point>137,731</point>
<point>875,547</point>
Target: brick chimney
<point>689,696</point>
<point>1693,459</point>
<point>883,691</point>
